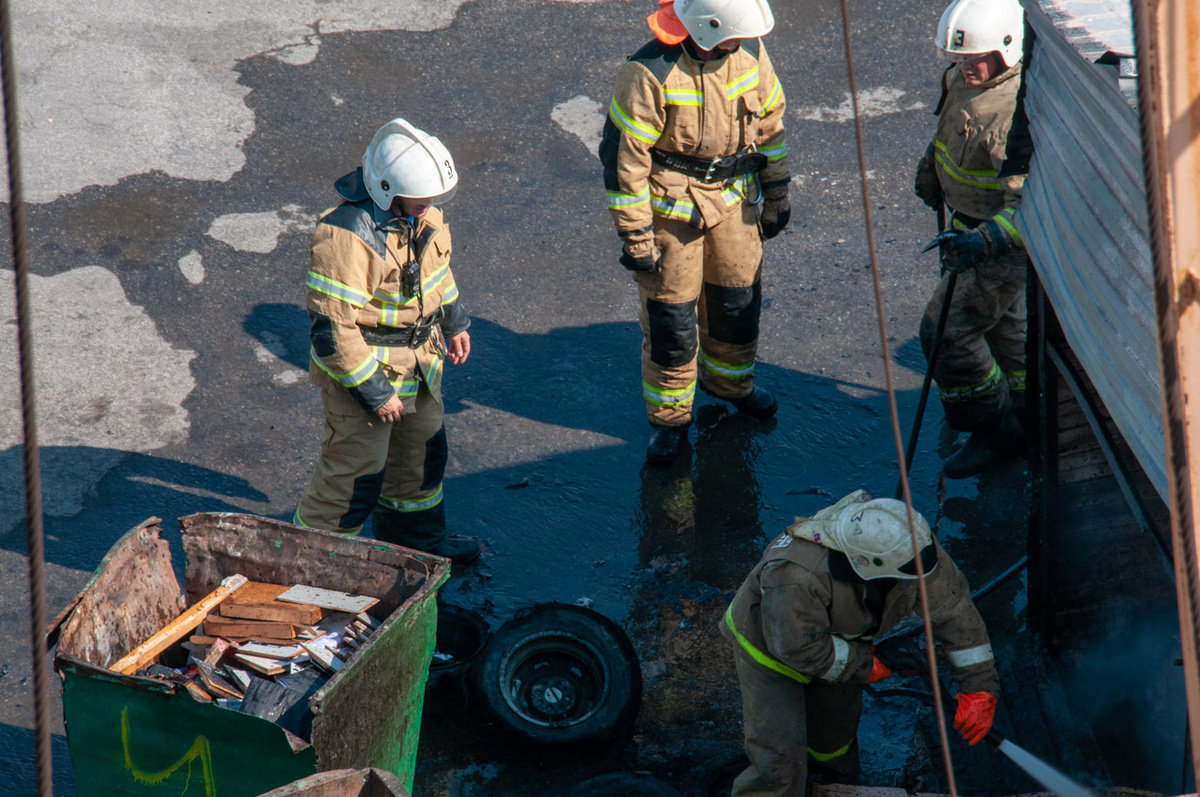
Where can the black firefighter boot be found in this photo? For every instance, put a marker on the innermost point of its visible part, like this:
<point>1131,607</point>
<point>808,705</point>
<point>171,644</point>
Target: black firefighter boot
<point>425,531</point>
<point>665,443</point>
<point>987,445</point>
<point>759,404</point>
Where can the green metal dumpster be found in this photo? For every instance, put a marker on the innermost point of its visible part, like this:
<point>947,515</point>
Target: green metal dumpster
<point>131,735</point>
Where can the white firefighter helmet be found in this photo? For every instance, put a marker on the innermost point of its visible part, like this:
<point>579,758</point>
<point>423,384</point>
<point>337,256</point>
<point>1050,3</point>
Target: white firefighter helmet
<point>710,22</point>
<point>875,538</point>
<point>973,28</point>
<point>406,162</point>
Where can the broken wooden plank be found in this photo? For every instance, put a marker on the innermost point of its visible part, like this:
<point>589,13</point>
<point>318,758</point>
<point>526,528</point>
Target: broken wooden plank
<point>225,627</point>
<point>178,628</point>
<point>216,651</point>
<point>276,611</point>
<point>270,651</point>
<point>260,664</point>
<point>328,599</point>
<point>215,683</point>
<point>240,677</point>
<point>197,692</point>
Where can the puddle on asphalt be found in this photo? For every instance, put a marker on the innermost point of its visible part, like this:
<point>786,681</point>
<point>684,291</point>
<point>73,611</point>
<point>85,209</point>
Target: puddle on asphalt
<point>661,551</point>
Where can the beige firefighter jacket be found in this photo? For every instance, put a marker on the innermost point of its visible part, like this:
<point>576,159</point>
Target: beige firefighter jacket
<point>972,132</point>
<point>792,616</point>
<point>354,284</point>
<point>666,99</point>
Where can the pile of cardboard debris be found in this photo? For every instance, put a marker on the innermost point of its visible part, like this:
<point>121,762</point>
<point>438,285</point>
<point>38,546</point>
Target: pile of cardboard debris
<point>263,649</point>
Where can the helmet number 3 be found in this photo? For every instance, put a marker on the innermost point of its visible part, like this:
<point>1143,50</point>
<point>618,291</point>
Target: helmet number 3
<point>449,167</point>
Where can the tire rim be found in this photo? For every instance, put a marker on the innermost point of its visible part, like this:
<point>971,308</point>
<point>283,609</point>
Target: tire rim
<point>554,679</point>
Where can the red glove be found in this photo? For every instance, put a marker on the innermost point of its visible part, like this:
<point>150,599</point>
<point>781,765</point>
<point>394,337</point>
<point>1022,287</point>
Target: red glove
<point>973,719</point>
<point>879,671</point>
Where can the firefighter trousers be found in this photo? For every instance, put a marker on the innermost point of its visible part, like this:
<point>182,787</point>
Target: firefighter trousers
<point>700,309</point>
<point>393,469</point>
<point>790,726</point>
<point>980,368</point>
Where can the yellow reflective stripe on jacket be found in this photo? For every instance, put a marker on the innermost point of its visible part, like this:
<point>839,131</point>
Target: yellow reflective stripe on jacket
<point>1005,219</point>
<point>406,388</point>
<point>673,209</point>
<point>736,88</point>
<point>684,97</point>
<point>434,367</point>
<point>390,303</point>
<point>972,177</point>
<point>353,379</point>
<point>633,127</point>
<point>773,99</point>
<point>665,397</point>
<point>775,152</point>
<point>841,751</point>
<point>758,655</point>
<point>951,395</point>
<point>419,505</point>
<point>450,293</point>
<point>338,290</point>
<point>736,191</point>
<point>727,370</point>
<point>616,199</point>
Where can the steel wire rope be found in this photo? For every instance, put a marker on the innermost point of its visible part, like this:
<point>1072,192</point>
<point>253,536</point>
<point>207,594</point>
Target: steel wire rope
<point>931,660</point>
<point>33,485</point>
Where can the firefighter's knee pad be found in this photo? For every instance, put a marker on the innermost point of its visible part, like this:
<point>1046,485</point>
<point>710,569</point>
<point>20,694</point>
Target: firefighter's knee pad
<point>733,313</point>
<point>436,453</point>
<point>363,495</point>
<point>673,333</point>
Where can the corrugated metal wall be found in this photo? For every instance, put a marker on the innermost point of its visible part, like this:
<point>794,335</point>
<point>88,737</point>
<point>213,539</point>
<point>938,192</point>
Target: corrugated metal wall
<point>1083,214</point>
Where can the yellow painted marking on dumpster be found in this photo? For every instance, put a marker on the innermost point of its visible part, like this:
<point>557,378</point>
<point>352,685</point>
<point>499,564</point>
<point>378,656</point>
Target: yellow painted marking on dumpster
<point>199,749</point>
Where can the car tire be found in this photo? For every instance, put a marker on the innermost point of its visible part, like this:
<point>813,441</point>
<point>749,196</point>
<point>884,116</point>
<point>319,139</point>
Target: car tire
<point>560,674</point>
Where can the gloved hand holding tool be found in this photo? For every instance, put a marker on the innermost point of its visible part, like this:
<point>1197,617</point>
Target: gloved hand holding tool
<point>974,716</point>
<point>901,656</point>
<point>879,671</point>
<point>962,250</point>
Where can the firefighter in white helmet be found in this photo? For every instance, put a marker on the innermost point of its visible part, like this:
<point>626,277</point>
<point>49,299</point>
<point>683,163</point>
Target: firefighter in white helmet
<point>695,168</point>
<point>385,317</point>
<point>803,626</point>
<point>980,368</point>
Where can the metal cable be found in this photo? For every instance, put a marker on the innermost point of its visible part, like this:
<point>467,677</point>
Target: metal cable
<point>33,485</point>
<point>939,708</point>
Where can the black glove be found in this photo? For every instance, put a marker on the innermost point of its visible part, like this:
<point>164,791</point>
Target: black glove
<point>643,263</point>
<point>901,656</point>
<point>963,250</point>
<point>774,217</point>
<point>926,184</point>
<point>930,193</point>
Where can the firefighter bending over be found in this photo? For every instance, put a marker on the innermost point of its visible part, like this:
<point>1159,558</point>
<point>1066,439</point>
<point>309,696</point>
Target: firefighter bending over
<point>803,626</point>
<point>980,368</point>
<point>694,142</point>
<point>385,317</point>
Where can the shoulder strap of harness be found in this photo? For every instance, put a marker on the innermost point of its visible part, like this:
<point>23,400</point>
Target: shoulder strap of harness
<point>945,89</point>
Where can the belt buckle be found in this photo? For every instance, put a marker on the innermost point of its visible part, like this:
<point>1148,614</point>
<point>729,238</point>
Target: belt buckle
<point>716,163</point>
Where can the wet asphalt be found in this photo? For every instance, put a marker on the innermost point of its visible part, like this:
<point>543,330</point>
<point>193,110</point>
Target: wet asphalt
<point>545,421</point>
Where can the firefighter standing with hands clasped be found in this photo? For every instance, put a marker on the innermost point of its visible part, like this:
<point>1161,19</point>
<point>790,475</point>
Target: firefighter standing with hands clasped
<point>693,143</point>
<point>385,316</point>
<point>803,626</point>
